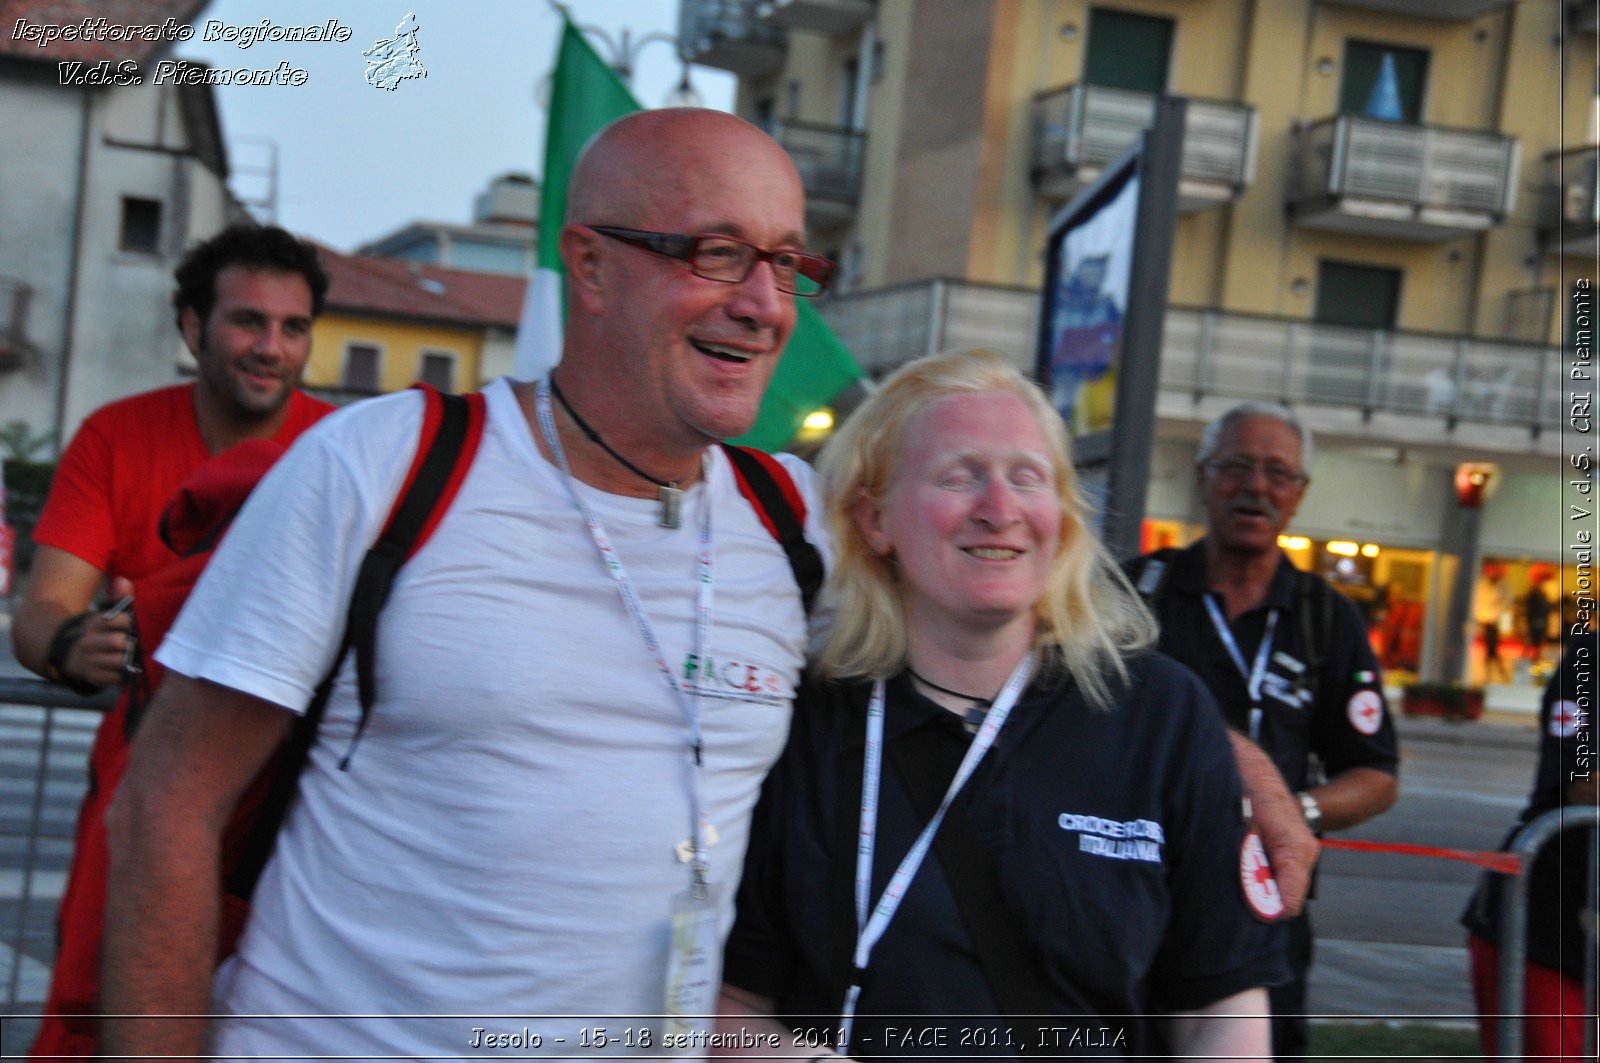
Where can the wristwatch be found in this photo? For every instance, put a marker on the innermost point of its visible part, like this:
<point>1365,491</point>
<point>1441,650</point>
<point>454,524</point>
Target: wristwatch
<point>55,662</point>
<point>1311,810</point>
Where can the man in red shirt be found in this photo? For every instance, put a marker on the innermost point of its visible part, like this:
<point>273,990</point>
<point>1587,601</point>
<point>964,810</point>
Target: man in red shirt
<point>245,301</point>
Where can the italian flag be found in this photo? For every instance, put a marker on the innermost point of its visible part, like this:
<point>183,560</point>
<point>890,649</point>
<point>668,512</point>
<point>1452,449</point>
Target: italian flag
<point>586,95</point>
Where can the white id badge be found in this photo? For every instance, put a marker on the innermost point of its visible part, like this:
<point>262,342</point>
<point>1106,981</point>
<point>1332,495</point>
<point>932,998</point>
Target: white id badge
<point>694,969</point>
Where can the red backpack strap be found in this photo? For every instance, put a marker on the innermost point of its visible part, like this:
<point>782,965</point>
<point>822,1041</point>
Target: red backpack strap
<point>772,493</point>
<point>441,463</point>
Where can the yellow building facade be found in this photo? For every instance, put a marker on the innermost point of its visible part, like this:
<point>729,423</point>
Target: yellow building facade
<point>401,352</point>
<point>389,323</point>
<point>1387,221</point>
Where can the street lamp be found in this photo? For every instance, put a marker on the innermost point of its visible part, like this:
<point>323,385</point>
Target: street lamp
<point>624,52</point>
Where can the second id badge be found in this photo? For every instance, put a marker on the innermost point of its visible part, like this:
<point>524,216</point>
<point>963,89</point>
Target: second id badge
<point>694,968</point>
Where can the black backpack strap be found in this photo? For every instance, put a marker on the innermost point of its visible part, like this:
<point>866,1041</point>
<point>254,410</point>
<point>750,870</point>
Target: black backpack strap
<point>452,426</point>
<point>775,503</point>
<point>1009,963</point>
<point>428,491</point>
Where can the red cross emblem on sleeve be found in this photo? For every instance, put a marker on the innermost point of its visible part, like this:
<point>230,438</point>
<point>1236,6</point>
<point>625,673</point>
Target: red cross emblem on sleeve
<point>1565,719</point>
<point>1261,891</point>
<point>1365,711</point>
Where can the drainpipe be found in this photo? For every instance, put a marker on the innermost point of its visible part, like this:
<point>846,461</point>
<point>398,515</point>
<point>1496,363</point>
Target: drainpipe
<point>69,332</point>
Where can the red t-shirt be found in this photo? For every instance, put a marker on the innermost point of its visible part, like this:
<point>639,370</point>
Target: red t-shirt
<point>121,468</point>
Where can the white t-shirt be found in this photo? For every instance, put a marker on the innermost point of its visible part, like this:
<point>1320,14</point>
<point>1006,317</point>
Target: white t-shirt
<point>503,842</point>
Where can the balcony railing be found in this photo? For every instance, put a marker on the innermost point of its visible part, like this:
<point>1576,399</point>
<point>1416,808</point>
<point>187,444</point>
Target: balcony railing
<point>1447,379</point>
<point>14,345</point>
<point>830,18</point>
<point>1569,212</point>
<point>885,327</point>
<point>829,161</point>
<point>1079,129</point>
<point>729,35</point>
<point>1412,182</point>
<point>1206,352</point>
<point>1454,10</point>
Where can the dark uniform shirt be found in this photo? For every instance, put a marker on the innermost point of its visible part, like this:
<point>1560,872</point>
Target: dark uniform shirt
<point>1558,883</point>
<point>1115,837</point>
<point>1345,720</point>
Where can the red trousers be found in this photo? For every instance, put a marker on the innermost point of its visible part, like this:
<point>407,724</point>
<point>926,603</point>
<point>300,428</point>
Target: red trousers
<point>1553,1007</point>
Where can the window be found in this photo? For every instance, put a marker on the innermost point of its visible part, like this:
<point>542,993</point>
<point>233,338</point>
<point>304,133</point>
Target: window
<point>1382,81</point>
<point>1127,51</point>
<point>849,73</point>
<point>141,226</point>
<point>363,368</point>
<point>1346,365</point>
<point>438,369</point>
<point>765,117</point>
<point>1357,296</point>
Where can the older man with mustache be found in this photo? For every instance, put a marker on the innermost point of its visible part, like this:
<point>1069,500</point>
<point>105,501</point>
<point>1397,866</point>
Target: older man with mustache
<point>1285,655</point>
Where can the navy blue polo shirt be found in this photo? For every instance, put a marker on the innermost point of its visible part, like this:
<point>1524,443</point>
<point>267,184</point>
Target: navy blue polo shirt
<point>1115,836</point>
<point>1345,720</point>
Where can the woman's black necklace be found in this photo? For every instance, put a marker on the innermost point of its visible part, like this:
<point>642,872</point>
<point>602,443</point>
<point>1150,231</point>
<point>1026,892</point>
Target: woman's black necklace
<point>973,718</point>
<point>670,494</point>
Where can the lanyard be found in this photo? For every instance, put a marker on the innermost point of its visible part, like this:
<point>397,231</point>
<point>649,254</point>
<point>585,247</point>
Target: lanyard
<point>1253,675</point>
<point>681,690</point>
<point>870,929</point>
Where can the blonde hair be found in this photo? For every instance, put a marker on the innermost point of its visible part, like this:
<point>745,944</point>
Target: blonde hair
<point>1088,615</point>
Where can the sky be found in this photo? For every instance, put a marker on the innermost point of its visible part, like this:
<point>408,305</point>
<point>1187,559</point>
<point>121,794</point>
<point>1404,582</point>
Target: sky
<point>355,162</point>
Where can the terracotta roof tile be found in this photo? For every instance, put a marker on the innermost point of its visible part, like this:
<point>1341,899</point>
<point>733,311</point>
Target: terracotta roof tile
<point>390,286</point>
<point>102,18</point>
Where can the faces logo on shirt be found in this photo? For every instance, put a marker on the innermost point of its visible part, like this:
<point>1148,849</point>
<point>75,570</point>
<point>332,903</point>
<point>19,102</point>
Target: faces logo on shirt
<point>734,680</point>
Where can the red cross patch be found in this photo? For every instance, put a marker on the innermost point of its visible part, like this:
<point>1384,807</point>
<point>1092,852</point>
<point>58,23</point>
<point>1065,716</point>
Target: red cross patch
<point>1365,711</point>
<point>1565,719</point>
<point>1255,875</point>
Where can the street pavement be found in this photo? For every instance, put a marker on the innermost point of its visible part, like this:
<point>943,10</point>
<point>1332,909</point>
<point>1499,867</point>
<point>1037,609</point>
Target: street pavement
<point>1389,944</point>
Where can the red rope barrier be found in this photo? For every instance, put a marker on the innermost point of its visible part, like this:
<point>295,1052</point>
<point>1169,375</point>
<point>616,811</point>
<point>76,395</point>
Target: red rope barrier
<point>1505,863</point>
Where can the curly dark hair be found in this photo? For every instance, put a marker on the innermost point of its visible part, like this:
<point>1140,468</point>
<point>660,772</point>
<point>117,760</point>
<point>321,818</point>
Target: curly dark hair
<point>254,247</point>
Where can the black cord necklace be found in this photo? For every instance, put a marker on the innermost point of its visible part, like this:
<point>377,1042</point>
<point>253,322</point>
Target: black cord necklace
<point>671,495</point>
<point>973,717</point>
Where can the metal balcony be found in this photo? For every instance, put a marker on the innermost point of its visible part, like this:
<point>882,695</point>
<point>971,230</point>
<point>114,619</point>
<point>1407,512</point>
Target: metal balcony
<point>829,161</point>
<point>728,35</point>
<point>1453,10</point>
<point>1410,386</point>
<point>1421,375</point>
<point>1569,210</point>
<point>830,18</point>
<point>15,348</point>
<point>1078,130</point>
<point>1409,182</point>
<point>886,327</point>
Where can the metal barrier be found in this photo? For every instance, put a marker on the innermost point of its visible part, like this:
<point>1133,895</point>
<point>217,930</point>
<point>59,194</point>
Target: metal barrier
<point>1514,924</point>
<point>45,733</point>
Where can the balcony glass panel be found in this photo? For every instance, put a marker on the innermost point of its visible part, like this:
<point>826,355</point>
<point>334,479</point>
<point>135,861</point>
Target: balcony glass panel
<point>828,158</point>
<point>1235,356</point>
<point>1088,125</point>
<point>1419,165</point>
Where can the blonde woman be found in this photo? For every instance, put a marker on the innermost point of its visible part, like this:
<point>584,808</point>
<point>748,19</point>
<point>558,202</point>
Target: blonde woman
<point>1001,822</point>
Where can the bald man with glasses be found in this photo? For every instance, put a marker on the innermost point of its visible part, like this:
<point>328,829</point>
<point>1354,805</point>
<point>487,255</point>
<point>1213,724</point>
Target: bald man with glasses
<point>1285,655</point>
<point>581,680</point>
